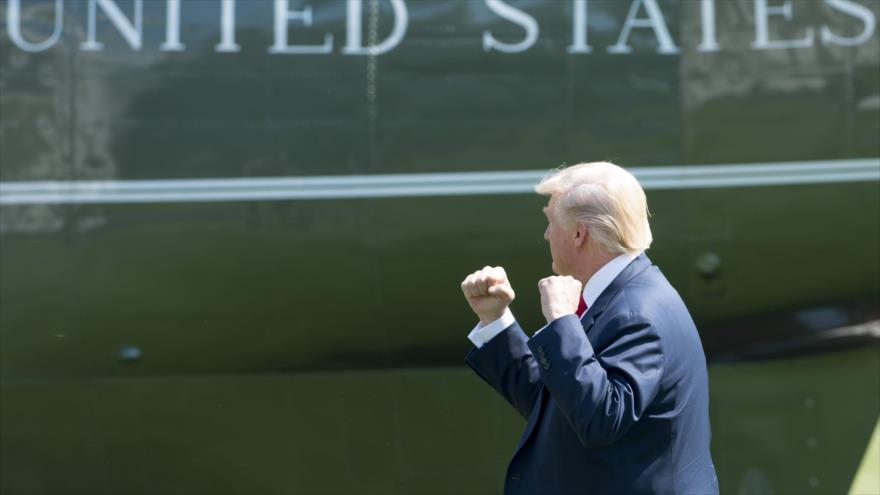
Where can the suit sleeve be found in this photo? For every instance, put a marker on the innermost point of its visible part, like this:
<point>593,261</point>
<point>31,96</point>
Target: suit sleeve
<point>507,365</point>
<point>603,395</point>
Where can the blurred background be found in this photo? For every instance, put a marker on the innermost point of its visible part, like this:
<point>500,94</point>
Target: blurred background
<point>232,233</point>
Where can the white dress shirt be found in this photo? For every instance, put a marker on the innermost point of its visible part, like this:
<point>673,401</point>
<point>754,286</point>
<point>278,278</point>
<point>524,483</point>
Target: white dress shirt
<point>592,290</point>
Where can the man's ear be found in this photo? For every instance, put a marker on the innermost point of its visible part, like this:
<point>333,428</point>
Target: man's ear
<point>581,234</point>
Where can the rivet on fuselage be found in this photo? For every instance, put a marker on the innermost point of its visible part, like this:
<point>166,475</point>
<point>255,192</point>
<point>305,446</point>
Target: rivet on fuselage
<point>708,265</point>
<point>129,354</point>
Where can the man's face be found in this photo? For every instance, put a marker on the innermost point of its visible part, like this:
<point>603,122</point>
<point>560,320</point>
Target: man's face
<point>561,240</point>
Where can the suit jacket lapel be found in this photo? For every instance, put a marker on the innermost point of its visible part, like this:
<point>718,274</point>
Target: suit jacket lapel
<point>636,266</point>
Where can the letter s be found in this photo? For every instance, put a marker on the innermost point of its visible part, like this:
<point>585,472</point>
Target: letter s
<point>855,10</point>
<point>516,16</point>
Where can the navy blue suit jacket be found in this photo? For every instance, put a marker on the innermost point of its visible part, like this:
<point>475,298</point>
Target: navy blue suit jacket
<point>616,402</point>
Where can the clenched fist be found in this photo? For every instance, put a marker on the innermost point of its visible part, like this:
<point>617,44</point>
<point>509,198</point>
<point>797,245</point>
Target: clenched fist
<point>488,292</point>
<point>560,296</point>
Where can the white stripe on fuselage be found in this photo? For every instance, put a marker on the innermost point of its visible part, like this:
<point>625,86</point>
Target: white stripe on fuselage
<point>427,184</point>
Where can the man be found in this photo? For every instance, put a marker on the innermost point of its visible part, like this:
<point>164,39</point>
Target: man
<point>616,399</point>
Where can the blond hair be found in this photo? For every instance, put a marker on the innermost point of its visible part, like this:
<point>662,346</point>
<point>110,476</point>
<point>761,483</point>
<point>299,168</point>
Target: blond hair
<point>605,197</point>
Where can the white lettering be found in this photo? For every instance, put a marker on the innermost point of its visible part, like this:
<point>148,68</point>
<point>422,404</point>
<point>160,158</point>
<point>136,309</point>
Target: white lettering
<point>860,11</point>
<point>516,16</point>
<point>131,31</point>
<point>654,21</point>
<point>579,38</point>
<point>227,28</point>
<point>13,25</point>
<point>172,28</point>
<point>282,18</point>
<point>762,33</point>
<point>709,43</point>
<point>354,42</point>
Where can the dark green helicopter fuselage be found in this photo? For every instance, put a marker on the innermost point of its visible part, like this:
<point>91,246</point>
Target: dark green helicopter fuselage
<point>232,233</point>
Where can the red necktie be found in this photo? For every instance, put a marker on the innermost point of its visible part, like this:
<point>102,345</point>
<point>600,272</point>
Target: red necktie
<point>582,307</point>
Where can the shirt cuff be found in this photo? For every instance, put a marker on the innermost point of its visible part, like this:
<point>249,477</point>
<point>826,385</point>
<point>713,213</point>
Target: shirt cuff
<point>482,334</point>
<point>539,330</point>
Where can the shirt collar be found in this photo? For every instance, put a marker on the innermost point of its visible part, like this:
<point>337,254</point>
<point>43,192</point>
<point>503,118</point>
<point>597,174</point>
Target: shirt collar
<point>603,278</point>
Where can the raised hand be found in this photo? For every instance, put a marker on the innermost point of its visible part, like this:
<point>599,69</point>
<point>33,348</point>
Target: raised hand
<point>488,292</point>
<point>560,296</point>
